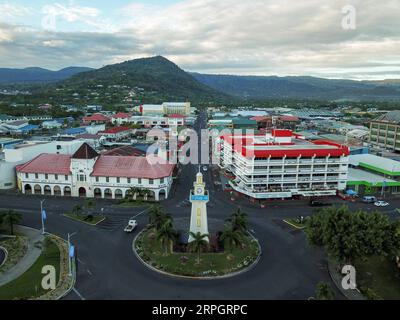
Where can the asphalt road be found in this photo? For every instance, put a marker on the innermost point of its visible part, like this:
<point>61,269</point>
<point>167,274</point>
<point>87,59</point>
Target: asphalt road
<point>107,268</point>
<point>2,256</point>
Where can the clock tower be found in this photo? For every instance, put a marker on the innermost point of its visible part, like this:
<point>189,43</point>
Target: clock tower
<point>199,198</point>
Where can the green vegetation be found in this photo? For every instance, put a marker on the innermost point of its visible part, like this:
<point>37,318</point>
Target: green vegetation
<point>296,223</point>
<point>16,248</point>
<point>324,292</point>
<point>378,278</point>
<point>186,264</point>
<point>10,218</point>
<point>155,247</point>
<point>348,236</point>
<point>28,285</point>
<point>89,219</point>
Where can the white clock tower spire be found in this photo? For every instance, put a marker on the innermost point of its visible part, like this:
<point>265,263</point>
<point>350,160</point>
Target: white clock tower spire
<point>199,198</point>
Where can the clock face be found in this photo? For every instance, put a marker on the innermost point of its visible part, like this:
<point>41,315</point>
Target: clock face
<point>199,190</point>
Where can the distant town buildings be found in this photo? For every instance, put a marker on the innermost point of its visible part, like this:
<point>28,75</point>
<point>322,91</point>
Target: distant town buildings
<point>167,108</point>
<point>385,131</point>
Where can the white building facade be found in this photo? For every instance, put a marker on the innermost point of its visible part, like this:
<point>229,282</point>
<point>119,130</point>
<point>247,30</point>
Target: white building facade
<point>88,174</point>
<point>281,165</point>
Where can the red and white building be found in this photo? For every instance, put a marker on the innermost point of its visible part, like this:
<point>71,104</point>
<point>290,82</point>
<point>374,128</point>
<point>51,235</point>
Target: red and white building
<point>89,174</point>
<point>282,165</point>
<point>97,118</point>
<point>121,118</point>
<point>116,133</point>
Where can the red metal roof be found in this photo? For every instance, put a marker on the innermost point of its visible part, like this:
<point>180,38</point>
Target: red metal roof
<point>278,133</point>
<point>47,163</point>
<point>130,167</point>
<point>262,118</point>
<point>289,119</point>
<point>97,117</point>
<point>115,130</point>
<point>121,115</point>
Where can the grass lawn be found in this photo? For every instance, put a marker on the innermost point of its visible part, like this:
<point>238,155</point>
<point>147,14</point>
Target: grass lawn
<point>380,275</point>
<point>29,284</point>
<point>294,223</point>
<point>16,248</point>
<point>84,218</point>
<point>185,264</point>
<point>132,204</point>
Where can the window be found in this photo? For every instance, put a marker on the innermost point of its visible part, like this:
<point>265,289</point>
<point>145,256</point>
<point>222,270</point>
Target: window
<point>97,179</point>
<point>162,180</point>
<point>118,180</point>
<point>151,181</point>
<point>66,178</point>
<point>140,181</point>
<point>56,176</point>
<point>81,177</point>
<point>129,180</point>
<point>46,176</point>
<point>107,179</point>
<point>26,175</point>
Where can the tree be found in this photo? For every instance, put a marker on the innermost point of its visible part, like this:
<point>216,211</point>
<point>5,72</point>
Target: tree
<point>347,236</point>
<point>324,292</point>
<point>231,236</point>
<point>157,216</point>
<point>10,217</point>
<point>77,209</point>
<point>89,205</point>
<point>167,234</point>
<point>133,192</point>
<point>239,222</point>
<point>146,193</point>
<point>199,242</point>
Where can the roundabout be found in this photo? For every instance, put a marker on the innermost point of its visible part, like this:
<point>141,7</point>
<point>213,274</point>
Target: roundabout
<point>3,256</point>
<point>217,260</point>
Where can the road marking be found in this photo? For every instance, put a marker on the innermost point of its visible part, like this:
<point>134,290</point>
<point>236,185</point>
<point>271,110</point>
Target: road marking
<point>80,261</point>
<point>89,272</point>
<point>139,214</point>
<point>78,294</point>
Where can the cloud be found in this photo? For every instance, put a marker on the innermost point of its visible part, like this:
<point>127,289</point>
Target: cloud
<point>8,10</point>
<point>283,37</point>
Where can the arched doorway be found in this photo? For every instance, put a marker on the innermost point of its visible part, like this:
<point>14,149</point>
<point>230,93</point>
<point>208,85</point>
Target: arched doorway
<point>57,191</point>
<point>82,192</point>
<point>118,194</point>
<point>37,189</point>
<point>67,192</point>
<point>28,189</point>
<point>162,195</point>
<point>47,190</point>
<point>97,193</point>
<point>108,194</point>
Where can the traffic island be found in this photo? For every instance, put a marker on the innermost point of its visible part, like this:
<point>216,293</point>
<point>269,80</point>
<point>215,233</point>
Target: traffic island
<point>28,283</point>
<point>203,266</point>
<point>92,220</point>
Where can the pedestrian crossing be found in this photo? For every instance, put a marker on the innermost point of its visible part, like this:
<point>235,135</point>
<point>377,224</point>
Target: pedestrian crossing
<point>112,223</point>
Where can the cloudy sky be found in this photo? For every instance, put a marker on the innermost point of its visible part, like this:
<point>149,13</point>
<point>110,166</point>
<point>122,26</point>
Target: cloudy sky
<point>258,37</point>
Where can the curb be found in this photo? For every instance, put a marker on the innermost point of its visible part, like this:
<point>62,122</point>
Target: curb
<point>5,257</point>
<point>171,275</point>
<point>294,226</point>
<point>355,295</point>
<point>87,223</point>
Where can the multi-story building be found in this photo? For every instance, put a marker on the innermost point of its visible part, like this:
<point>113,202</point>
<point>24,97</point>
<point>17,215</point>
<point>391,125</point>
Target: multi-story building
<point>89,174</point>
<point>385,131</point>
<point>116,133</point>
<point>168,108</point>
<point>283,165</point>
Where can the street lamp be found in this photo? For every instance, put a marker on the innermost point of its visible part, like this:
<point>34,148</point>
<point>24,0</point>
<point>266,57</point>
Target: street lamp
<point>43,214</point>
<point>71,252</point>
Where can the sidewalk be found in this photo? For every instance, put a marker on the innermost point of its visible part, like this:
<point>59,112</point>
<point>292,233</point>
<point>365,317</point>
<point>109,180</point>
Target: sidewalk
<point>28,260</point>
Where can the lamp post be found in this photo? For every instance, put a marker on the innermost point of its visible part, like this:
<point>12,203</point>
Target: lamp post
<point>43,214</point>
<point>71,252</point>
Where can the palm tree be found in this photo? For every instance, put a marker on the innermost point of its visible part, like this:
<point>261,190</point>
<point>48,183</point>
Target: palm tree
<point>10,217</point>
<point>133,193</point>
<point>231,236</point>
<point>157,217</point>
<point>89,205</point>
<point>167,235</point>
<point>77,210</point>
<point>239,221</point>
<point>324,292</point>
<point>146,193</point>
<point>199,242</point>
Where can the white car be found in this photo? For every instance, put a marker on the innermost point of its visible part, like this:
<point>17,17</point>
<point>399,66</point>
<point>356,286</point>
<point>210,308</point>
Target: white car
<point>381,204</point>
<point>131,226</point>
<point>205,168</point>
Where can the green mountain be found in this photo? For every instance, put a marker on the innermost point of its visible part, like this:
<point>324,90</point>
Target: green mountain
<point>155,77</point>
<point>272,87</point>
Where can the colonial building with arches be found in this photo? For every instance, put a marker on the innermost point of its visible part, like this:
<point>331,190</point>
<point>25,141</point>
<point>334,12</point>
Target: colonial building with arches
<point>89,174</point>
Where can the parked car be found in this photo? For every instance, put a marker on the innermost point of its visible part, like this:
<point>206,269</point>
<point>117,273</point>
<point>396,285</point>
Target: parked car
<point>381,204</point>
<point>369,199</point>
<point>131,226</point>
<point>315,203</point>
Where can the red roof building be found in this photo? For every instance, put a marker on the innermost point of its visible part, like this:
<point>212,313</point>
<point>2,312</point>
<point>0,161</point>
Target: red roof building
<point>47,164</point>
<point>97,118</point>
